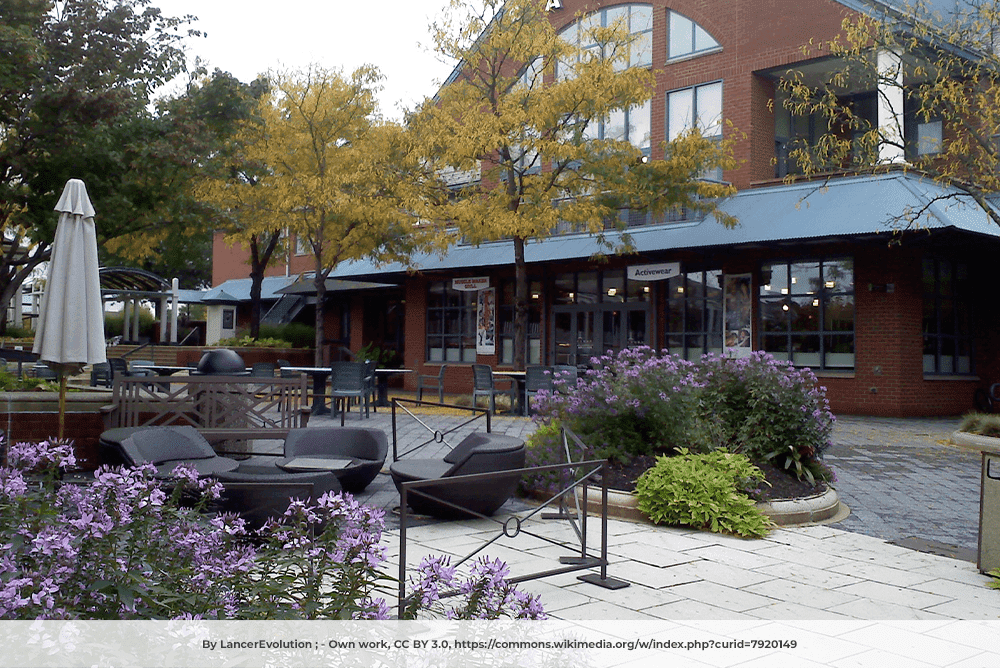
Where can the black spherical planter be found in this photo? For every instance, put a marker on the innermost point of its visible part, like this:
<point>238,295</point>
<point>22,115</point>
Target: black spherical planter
<point>222,362</point>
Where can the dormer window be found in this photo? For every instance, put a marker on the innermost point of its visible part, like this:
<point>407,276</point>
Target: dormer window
<point>687,38</point>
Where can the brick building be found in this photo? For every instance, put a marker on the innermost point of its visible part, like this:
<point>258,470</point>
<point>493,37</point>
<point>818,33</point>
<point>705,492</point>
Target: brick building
<point>892,325</point>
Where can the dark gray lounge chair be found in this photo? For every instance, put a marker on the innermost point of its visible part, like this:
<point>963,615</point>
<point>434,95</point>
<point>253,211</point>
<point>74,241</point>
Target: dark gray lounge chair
<point>477,453</point>
<point>366,448</point>
<point>254,490</point>
<point>166,447</point>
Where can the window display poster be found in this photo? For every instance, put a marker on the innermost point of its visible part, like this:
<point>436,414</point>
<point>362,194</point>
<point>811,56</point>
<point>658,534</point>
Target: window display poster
<point>737,316</point>
<point>486,318</point>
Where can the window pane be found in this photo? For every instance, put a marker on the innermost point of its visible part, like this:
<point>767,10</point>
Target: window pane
<point>680,107</point>
<point>614,286</point>
<point>681,35</point>
<point>840,314</point>
<point>587,288</point>
<point>702,40</point>
<point>804,314</point>
<point>774,315</point>
<point>774,280</point>
<point>709,106</point>
<point>642,18</point>
<point>614,127</point>
<point>695,285</point>
<point>805,278</point>
<point>640,125</point>
<point>839,351</point>
<point>564,289</point>
<point>642,50</point>
<point>838,275</point>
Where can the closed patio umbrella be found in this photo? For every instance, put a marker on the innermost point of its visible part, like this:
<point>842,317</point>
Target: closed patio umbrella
<point>70,331</point>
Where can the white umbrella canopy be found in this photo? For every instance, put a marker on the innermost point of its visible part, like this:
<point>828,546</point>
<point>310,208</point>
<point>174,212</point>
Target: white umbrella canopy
<point>70,331</point>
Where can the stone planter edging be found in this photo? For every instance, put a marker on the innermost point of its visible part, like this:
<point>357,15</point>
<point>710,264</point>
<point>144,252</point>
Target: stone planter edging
<point>822,508</point>
<point>976,442</point>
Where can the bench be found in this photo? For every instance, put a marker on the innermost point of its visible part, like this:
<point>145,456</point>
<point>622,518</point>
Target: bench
<point>232,409</point>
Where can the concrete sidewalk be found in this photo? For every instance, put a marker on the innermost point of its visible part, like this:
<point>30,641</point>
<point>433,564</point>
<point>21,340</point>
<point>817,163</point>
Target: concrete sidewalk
<point>899,477</point>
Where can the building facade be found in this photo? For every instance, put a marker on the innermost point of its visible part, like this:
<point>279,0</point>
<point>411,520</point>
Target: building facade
<point>892,323</point>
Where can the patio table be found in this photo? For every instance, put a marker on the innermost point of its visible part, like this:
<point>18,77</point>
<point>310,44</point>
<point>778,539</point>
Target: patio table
<point>518,377</point>
<point>319,374</point>
<point>382,385</point>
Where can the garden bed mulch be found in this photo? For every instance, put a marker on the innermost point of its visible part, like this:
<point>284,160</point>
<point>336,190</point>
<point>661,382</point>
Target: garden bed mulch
<point>780,485</point>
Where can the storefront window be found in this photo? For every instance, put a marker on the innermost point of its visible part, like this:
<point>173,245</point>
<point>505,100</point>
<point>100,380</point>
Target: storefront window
<point>947,318</point>
<point>694,314</point>
<point>505,318</point>
<point>807,312</point>
<point>451,324</point>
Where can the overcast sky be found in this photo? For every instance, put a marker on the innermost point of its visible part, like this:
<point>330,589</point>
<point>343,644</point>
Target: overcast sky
<point>250,37</point>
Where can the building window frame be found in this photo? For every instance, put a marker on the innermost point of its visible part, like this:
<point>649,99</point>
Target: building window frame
<point>948,340</point>
<point>693,319</point>
<point>677,42</point>
<point>639,17</point>
<point>814,332</point>
<point>451,324</point>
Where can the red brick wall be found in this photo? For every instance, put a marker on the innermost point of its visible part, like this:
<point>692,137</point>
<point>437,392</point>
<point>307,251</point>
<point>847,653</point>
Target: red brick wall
<point>755,35</point>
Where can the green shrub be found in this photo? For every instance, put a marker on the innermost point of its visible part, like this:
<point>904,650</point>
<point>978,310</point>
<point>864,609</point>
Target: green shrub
<point>703,491</point>
<point>299,335</point>
<point>982,424</point>
<point>113,323</point>
<point>544,447</point>
<point>249,342</point>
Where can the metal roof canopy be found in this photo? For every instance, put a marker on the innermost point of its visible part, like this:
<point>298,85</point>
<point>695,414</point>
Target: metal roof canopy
<point>133,282</point>
<point>843,207</point>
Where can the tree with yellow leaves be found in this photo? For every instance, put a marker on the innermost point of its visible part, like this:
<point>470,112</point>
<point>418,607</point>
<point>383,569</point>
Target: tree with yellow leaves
<point>908,88</point>
<point>512,136</point>
<point>334,171</point>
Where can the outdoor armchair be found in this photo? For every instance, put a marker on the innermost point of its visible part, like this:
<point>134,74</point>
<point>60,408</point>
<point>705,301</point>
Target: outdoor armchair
<point>483,385</point>
<point>348,381</point>
<point>365,448</point>
<point>166,447</point>
<point>479,452</point>
<point>432,382</point>
<point>536,378</point>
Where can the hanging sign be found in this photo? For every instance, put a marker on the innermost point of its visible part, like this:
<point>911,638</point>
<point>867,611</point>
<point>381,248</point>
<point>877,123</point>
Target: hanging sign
<point>473,284</point>
<point>486,319</point>
<point>654,272</point>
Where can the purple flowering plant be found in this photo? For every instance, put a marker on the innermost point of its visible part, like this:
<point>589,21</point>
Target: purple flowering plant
<point>124,547</point>
<point>643,402</point>
<point>482,593</point>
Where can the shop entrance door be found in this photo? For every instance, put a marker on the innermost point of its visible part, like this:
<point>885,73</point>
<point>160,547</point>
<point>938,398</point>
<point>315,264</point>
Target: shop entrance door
<point>582,331</point>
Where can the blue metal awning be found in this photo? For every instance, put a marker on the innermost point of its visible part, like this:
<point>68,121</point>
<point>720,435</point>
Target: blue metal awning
<point>838,208</point>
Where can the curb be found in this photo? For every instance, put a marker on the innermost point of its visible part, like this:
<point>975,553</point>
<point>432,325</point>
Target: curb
<point>823,508</point>
<point>975,442</point>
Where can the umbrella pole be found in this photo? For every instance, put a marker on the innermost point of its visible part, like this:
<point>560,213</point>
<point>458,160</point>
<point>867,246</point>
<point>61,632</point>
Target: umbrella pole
<point>62,404</point>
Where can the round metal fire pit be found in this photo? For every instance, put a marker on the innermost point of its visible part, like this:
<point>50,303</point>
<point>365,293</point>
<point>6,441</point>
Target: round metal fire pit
<point>222,362</point>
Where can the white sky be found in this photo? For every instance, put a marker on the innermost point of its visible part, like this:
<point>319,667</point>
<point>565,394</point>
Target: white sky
<point>250,37</point>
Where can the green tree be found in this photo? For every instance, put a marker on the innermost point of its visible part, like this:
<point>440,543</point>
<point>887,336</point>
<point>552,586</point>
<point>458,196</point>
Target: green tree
<point>76,82</point>
<point>936,85</point>
<point>234,182</point>
<point>334,171</point>
<point>524,130</point>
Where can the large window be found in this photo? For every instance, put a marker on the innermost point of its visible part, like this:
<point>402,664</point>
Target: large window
<point>807,312</point>
<point>637,18</point>
<point>694,313</point>
<point>632,125</point>
<point>697,107</point>
<point>451,324</point>
<point>687,38</point>
<point>947,318</point>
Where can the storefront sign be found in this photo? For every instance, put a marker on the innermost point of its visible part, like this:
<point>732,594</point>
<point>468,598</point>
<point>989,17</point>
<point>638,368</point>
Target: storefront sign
<point>739,325</point>
<point>470,284</point>
<point>486,319</point>
<point>654,272</point>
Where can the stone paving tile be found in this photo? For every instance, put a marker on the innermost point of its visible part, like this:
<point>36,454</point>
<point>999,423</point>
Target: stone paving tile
<point>730,598</point>
<point>724,574</point>
<point>693,609</point>
<point>911,644</point>
<point>804,593</point>
<point>815,576</point>
<point>786,611</point>
<point>871,609</point>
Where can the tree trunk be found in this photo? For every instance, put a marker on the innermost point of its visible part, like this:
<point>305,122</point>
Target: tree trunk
<point>520,305</point>
<point>319,282</point>
<point>259,259</point>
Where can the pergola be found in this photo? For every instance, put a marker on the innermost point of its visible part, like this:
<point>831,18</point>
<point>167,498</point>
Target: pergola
<point>131,285</point>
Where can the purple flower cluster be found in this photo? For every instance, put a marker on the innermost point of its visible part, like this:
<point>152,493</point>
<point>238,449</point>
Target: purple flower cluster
<point>122,547</point>
<point>643,402</point>
<point>485,592</point>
